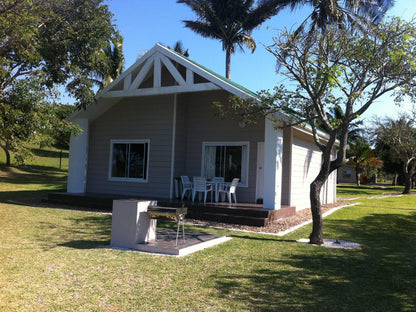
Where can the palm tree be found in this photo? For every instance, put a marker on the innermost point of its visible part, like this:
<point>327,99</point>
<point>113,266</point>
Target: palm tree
<point>340,12</point>
<point>230,21</point>
<point>179,48</point>
<point>112,62</point>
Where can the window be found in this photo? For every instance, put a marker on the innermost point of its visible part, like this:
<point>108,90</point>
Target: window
<point>227,160</point>
<point>129,160</point>
<point>346,174</point>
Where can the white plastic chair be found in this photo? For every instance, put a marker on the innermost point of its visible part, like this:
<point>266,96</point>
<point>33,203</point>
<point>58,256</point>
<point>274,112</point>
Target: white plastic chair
<point>218,183</point>
<point>230,190</point>
<point>217,179</point>
<point>186,185</point>
<point>200,185</point>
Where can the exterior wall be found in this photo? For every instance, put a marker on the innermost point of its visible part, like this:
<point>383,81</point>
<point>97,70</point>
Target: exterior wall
<point>147,118</point>
<point>181,138</point>
<point>347,174</point>
<point>78,158</point>
<point>306,161</point>
<point>197,123</point>
<point>273,163</point>
<point>151,118</point>
<point>287,165</point>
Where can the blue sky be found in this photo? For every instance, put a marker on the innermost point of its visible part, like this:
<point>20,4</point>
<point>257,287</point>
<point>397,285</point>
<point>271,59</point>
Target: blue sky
<point>143,23</point>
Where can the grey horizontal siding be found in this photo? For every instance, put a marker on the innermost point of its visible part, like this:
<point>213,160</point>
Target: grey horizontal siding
<point>146,118</point>
<point>151,118</point>
<point>203,125</point>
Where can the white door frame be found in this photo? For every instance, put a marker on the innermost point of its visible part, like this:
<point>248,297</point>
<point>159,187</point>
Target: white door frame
<point>260,171</point>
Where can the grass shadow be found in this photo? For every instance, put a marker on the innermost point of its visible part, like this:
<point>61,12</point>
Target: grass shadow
<point>20,197</point>
<point>379,277</point>
<point>45,177</point>
<point>76,232</point>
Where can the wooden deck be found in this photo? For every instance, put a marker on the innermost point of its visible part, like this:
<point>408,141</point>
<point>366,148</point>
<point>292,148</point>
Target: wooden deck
<point>241,213</point>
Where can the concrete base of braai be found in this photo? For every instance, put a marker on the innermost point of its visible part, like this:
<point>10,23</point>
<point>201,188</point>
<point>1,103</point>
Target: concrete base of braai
<point>132,229</point>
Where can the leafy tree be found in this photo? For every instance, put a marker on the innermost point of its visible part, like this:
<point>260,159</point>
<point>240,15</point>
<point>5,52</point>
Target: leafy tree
<point>391,164</point>
<point>44,43</point>
<point>358,153</point>
<point>230,21</point>
<point>344,66</point>
<point>398,139</point>
<point>60,130</point>
<point>21,115</point>
<point>348,67</point>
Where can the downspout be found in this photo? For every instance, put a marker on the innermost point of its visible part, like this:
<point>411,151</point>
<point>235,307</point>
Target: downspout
<point>172,161</point>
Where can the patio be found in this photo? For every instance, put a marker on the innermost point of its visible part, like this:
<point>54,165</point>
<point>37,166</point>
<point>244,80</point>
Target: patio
<point>240,213</point>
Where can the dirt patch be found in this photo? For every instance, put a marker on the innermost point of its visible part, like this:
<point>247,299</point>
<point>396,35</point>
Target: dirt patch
<point>277,226</point>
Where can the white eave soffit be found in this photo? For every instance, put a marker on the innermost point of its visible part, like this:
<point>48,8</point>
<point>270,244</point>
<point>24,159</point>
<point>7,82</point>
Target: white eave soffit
<point>161,71</point>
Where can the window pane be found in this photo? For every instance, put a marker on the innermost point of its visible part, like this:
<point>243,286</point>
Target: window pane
<point>219,161</point>
<point>119,164</point>
<point>233,157</point>
<point>225,161</point>
<point>137,167</point>
<point>210,157</point>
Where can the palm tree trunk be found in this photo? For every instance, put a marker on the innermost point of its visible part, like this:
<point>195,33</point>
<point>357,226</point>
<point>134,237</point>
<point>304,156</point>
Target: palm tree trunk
<point>228,63</point>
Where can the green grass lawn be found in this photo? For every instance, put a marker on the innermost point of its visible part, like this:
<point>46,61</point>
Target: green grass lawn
<point>348,190</point>
<point>51,260</point>
<point>46,172</point>
<point>45,157</point>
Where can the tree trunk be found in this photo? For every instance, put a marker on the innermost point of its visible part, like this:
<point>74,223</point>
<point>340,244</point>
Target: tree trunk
<point>228,63</point>
<point>316,237</point>
<point>408,180</point>
<point>7,152</point>
<point>394,182</point>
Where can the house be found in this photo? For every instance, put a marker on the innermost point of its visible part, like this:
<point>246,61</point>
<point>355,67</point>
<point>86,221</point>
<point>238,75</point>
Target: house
<point>347,174</point>
<point>156,122</point>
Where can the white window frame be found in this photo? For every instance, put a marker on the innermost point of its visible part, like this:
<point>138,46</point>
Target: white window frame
<point>110,167</point>
<point>244,158</point>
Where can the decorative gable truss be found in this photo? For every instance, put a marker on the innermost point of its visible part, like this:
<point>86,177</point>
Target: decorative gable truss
<point>160,71</point>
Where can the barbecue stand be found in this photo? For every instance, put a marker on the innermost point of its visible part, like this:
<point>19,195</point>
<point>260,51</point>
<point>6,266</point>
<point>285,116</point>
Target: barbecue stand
<point>171,214</point>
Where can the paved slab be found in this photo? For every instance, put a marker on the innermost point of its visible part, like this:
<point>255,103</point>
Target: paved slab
<point>166,240</point>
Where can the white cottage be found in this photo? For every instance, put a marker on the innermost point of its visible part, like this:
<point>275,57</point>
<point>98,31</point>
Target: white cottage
<point>156,122</point>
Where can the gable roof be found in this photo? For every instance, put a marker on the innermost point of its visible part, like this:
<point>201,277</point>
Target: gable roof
<point>160,71</point>
<point>163,71</point>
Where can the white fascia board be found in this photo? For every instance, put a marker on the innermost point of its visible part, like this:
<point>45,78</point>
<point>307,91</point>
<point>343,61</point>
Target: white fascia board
<point>128,71</point>
<point>203,73</point>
